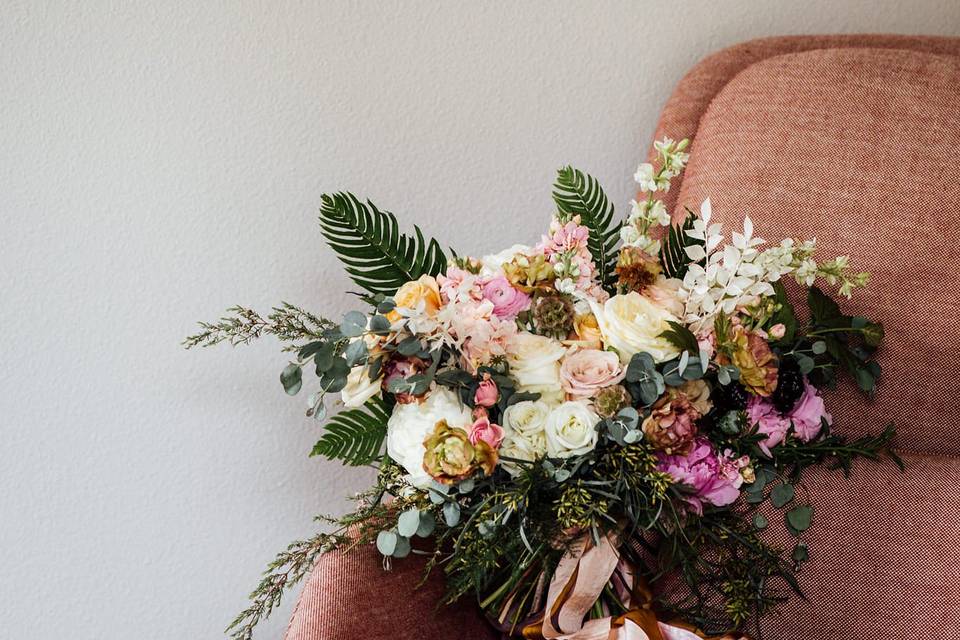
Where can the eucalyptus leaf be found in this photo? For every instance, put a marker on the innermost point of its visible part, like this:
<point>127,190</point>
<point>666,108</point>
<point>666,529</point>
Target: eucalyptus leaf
<point>760,521</point>
<point>800,518</point>
<point>427,525</point>
<point>451,514</point>
<point>354,324</point>
<point>323,358</point>
<point>292,379</point>
<point>408,522</point>
<point>355,353</point>
<point>782,494</point>
<point>387,542</point>
<point>402,550</point>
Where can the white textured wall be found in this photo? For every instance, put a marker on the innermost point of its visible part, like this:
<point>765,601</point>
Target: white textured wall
<point>162,160</point>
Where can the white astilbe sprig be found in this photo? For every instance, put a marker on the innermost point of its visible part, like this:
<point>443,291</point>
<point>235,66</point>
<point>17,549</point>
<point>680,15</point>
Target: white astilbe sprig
<point>723,278</point>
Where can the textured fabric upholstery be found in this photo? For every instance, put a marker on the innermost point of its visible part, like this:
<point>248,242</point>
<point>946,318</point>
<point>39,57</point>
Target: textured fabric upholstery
<point>852,139</point>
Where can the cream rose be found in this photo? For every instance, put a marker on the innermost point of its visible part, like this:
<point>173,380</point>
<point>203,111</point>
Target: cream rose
<point>571,430</point>
<point>528,419</point>
<point>631,323</point>
<point>584,373</point>
<point>410,424</point>
<point>518,447</point>
<point>359,387</point>
<point>535,363</point>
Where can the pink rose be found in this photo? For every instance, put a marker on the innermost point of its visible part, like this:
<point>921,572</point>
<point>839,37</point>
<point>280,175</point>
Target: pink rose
<point>777,331</point>
<point>487,393</point>
<point>507,300</point>
<point>761,411</point>
<point>587,371</point>
<point>705,476</point>
<point>807,414</point>
<point>486,431</point>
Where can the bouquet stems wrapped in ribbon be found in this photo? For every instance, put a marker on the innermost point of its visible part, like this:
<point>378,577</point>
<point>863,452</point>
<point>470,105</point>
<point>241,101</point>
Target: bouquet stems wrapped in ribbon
<point>596,432</point>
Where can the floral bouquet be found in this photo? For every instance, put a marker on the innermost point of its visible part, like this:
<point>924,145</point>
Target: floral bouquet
<point>594,433</point>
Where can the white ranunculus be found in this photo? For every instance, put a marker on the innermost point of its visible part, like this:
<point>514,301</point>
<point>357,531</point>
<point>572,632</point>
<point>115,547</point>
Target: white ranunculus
<point>410,424</point>
<point>360,387</point>
<point>493,263</point>
<point>535,363</point>
<point>631,323</point>
<point>571,429</point>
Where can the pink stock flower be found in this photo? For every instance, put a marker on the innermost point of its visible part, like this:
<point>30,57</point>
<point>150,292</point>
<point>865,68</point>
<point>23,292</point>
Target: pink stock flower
<point>705,476</point>
<point>760,411</point>
<point>457,284</point>
<point>507,300</point>
<point>487,393</point>
<point>807,414</point>
<point>486,431</point>
<point>563,238</point>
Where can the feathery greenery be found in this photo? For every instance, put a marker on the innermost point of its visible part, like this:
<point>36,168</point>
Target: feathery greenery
<point>355,436</point>
<point>579,194</point>
<point>287,322</point>
<point>368,241</point>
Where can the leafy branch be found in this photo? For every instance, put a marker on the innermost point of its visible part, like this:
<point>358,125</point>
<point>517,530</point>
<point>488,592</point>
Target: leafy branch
<point>368,241</point>
<point>355,436</point>
<point>673,254</point>
<point>579,194</point>
<point>287,322</point>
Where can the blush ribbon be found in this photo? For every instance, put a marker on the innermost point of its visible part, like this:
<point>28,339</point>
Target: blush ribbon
<point>583,572</point>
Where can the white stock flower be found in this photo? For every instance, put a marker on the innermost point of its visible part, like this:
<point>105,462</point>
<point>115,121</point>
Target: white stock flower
<point>571,430</point>
<point>646,177</point>
<point>410,424</point>
<point>535,363</point>
<point>631,323</point>
<point>359,387</point>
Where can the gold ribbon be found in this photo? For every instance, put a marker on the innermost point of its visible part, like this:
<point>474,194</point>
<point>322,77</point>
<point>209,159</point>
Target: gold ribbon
<point>577,583</point>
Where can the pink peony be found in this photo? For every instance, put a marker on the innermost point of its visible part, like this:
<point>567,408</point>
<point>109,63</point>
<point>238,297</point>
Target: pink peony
<point>486,431</point>
<point>507,300</point>
<point>706,477</point>
<point>807,414</point>
<point>760,411</point>
<point>587,371</point>
<point>487,393</point>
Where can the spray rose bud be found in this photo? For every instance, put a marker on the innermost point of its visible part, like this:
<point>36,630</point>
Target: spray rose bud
<point>451,457</point>
<point>485,431</point>
<point>777,331</point>
<point>487,393</point>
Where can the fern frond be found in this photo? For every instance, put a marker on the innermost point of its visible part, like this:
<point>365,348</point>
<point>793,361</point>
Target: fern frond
<point>355,436</point>
<point>673,255</point>
<point>368,241</point>
<point>579,194</point>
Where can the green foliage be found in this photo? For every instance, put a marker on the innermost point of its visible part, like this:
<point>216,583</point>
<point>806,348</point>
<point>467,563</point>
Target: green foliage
<point>355,436</point>
<point>673,255</point>
<point>579,194</point>
<point>241,325</point>
<point>848,341</point>
<point>681,337</point>
<point>368,241</point>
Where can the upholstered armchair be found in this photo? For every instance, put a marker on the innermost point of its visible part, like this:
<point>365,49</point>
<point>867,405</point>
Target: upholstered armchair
<point>853,140</point>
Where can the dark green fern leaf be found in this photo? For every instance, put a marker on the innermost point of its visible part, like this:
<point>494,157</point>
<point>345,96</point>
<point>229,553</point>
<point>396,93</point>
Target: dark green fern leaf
<point>355,436</point>
<point>368,241</point>
<point>578,194</point>
<point>673,257</point>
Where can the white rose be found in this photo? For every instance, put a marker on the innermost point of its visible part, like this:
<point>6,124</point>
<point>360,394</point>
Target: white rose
<point>535,363</point>
<point>528,418</point>
<point>632,323</point>
<point>359,388</point>
<point>493,263</point>
<point>571,430</point>
<point>410,424</point>
<point>516,446</point>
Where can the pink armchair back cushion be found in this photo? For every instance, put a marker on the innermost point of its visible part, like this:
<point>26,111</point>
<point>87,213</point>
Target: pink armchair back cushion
<point>852,139</point>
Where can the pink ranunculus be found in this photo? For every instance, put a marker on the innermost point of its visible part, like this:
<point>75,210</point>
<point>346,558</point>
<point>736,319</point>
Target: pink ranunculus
<point>807,414</point>
<point>760,411</point>
<point>485,430</point>
<point>507,300</point>
<point>704,476</point>
<point>487,393</point>
<point>587,371</point>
